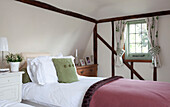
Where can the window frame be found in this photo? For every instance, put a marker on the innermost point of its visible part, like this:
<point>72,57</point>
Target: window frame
<point>135,57</point>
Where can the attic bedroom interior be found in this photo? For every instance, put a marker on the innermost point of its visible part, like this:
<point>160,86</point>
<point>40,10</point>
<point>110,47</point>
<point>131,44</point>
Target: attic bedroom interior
<point>84,53</point>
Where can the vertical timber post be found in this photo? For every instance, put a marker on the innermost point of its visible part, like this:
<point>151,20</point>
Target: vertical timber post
<point>113,61</point>
<point>131,70</point>
<point>155,73</point>
<point>95,43</point>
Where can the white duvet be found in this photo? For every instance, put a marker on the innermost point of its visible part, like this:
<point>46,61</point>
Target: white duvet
<point>59,94</point>
<point>4,103</point>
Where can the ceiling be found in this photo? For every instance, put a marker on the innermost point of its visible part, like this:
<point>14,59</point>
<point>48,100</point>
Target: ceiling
<point>100,9</point>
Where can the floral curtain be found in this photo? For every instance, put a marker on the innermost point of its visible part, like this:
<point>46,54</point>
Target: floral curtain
<point>152,26</point>
<point>120,40</point>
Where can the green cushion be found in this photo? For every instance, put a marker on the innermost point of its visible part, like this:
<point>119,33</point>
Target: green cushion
<point>25,77</point>
<point>65,70</point>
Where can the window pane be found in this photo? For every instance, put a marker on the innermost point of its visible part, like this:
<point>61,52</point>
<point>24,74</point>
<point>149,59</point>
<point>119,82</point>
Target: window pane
<point>132,28</point>
<point>132,48</point>
<point>138,48</point>
<point>132,38</point>
<point>137,43</point>
<point>138,28</point>
<point>144,48</point>
<point>138,38</point>
<point>144,38</point>
<point>144,27</point>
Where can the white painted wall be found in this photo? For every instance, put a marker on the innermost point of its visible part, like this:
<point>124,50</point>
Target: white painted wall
<point>144,69</point>
<point>31,29</point>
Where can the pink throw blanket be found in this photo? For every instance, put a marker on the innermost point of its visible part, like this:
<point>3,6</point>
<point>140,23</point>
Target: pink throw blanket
<point>132,93</point>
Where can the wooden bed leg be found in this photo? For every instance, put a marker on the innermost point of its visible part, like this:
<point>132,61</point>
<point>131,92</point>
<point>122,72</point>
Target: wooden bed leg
<point>113,61</point>
<point>155,74</point>
<point>131,70</point>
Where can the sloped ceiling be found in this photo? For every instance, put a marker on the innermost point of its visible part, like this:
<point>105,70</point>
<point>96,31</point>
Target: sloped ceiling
<point>100,9</point>
<point>62,33</point>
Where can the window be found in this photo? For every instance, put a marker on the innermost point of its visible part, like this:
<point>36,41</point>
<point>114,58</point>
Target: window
<point>137,44</point>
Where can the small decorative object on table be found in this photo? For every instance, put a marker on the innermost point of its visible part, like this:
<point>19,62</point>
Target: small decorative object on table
<point>92,59</point>
<point>82,62</point>
<point>14,61</point>
<point>88,60</point>
<point>76,57</point>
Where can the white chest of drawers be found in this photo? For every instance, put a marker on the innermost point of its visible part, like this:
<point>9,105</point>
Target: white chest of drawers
<point>11,86</point>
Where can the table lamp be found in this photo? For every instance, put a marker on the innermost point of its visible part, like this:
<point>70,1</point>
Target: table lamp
<point>3,46</point>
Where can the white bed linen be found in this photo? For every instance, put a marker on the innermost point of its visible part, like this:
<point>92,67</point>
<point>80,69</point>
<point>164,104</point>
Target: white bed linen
<point>4,103</point>
<point>59,94</point>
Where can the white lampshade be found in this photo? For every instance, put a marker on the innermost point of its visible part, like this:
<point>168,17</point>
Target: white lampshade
<point>3,44</point>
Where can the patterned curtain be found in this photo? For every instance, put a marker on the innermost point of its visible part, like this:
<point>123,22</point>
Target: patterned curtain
<point>120,40</point>
<point>152,26</point>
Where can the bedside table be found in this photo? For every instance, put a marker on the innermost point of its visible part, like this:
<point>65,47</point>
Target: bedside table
<point>11,86</point>
<point>88,70</point>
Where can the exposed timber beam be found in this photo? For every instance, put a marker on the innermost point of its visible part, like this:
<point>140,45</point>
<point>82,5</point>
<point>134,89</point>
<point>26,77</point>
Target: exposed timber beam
<point>58,10</point>
<point>126,63</point>
<point>113,57</point>
<point>160,13</point>
<point>155,73</point>
<point>95,43</point>
<point>106,44</point>
<point>133,70</point>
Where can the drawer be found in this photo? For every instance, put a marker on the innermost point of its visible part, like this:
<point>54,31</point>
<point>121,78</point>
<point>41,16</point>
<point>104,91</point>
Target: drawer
<point>87,72</point>
<point>10,92</point>
<point>9,79</point>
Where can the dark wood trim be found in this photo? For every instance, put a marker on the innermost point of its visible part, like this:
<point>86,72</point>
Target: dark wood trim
<point>131,70</point>
<point>126,63</point>
<point>155,73</point>
<point>95,43</point>
<point>58,10</point>
<point>113,60</point>
<point>160,13</point>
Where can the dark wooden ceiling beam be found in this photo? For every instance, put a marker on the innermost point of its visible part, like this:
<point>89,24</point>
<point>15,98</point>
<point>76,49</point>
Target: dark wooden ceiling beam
<point>58,10</point>
<point>160,13</point>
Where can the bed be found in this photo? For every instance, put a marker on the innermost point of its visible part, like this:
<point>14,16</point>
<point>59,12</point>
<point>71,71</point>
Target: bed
<point>4,103</point>
<point>99,92</point>
<point>59,94</point>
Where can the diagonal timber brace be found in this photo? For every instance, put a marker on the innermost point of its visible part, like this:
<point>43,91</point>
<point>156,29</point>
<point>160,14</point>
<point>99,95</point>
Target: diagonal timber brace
<point>126,63</point>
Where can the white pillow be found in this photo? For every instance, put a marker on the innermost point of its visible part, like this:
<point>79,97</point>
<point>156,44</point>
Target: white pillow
<point>41,70</point>
<point>29,69</point>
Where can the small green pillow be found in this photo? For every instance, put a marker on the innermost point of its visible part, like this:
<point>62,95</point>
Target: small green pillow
<point>65,70</point>
<point>25,77</point>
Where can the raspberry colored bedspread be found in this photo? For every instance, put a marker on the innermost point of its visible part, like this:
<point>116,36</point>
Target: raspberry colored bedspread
<point>130,93</point>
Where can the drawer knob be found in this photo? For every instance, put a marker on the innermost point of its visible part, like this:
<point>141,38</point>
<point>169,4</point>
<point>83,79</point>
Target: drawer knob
<point>81,72</point>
